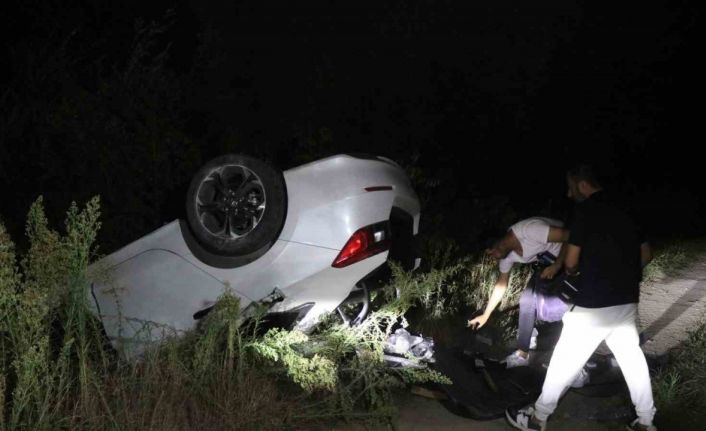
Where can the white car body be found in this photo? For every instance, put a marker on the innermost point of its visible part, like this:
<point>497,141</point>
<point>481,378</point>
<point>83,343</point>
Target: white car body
<point>156,285</point>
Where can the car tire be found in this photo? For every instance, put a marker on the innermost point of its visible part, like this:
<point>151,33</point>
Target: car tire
<point>236,206</point>
<point>355,309</point>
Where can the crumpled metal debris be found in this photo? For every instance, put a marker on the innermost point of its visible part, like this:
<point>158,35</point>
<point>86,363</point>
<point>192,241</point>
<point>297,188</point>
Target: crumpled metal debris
<point>403,349</point>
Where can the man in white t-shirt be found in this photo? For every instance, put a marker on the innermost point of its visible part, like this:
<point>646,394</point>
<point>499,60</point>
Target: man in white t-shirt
<point>522,243</point>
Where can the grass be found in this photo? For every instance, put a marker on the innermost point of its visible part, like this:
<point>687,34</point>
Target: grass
<point>680,387</point>
<point>671,257</point>
<point>57,371</point>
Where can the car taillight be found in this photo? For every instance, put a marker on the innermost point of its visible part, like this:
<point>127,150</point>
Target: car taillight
<point>365,242</point>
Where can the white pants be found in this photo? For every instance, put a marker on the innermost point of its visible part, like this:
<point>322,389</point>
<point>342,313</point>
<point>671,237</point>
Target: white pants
<point>583,331</point>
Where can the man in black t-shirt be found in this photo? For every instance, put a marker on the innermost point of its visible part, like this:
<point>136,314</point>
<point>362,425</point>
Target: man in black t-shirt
<point>606,251</point>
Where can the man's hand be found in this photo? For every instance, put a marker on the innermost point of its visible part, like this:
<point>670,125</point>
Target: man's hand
<point>571,262</point>
<point>477,322</point>
<point>550,271</point>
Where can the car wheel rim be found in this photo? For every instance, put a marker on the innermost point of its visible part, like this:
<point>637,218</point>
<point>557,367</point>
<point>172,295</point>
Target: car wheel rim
<point>361,300</point>
<point>230,202</point>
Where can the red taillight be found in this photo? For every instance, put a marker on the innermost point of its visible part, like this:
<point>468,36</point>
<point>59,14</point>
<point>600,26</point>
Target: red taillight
<point>364,243</point>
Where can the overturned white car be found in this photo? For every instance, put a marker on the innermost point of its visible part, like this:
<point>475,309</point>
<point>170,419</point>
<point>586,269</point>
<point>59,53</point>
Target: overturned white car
<point>305,240</point>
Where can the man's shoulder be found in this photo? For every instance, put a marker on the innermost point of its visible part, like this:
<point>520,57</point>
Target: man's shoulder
<point>612,204</point>
<point>538,221</point>
<point>607,213</point>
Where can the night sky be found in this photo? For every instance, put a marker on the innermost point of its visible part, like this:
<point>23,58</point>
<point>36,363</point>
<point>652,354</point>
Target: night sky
<point>490,101</point>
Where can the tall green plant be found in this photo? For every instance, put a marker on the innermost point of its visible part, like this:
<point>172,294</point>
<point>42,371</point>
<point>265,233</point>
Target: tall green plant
<point>9,282</point>
<point>680,387</point>
<point>40,301</point>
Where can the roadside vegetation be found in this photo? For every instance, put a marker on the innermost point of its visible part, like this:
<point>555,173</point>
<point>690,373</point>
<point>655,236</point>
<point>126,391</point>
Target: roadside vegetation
<point>672,256</point>
<point>58,370</point>
<point>680,385</point>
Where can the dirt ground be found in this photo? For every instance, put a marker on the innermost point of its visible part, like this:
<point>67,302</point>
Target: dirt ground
<point>423,414</point>
<point>669,308</point>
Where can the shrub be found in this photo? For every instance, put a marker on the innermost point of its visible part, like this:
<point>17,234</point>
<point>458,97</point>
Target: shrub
<point>57,370</point>
<point>680,387</point>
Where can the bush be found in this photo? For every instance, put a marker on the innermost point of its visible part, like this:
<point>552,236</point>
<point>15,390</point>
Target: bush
<point>57,370</point>
<point>671,257</point>
<point>680,387</point>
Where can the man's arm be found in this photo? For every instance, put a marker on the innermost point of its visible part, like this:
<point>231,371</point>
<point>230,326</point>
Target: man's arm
<point>645,254</point>
<point>493,302</point>
<point>556,234</point>
<point>571,262</point>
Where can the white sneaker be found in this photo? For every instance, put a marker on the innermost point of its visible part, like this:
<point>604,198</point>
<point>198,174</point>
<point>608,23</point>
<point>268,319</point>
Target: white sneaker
<point>637,426</point>
<point>581,379</point>
<point>515,360</point>
<point>524,419</point>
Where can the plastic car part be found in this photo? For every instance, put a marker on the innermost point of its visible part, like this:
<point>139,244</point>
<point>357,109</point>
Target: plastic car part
<point>401,342</point>
<point>236,205</point>
<point>364,242</point>
<point>265,303</point>
<point>284,319</point>
<point>404,249</point>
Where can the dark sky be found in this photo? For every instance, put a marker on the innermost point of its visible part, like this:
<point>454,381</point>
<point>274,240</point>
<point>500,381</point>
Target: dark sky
<point>493,100</point>
<point>498,97</point>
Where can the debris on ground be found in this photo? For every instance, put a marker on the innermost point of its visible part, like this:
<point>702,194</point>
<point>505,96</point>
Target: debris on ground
<point>403,349</point>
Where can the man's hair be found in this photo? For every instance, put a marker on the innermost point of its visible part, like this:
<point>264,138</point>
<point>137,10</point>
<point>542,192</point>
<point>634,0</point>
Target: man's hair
<point>503,244</point>
<point>585,173</point>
